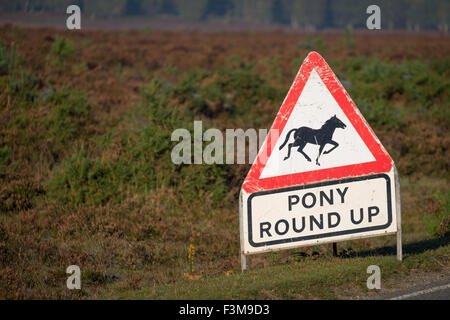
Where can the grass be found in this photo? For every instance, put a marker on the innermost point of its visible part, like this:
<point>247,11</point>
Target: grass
<point>60,52</point>
<point>348,39</point>
<point>419,85</point>
<point>15,80</point>
<point>83,184</point>
<point>323,278</point>
<point>69,114</point>
<point>438,223</point>
<point>312,44</point>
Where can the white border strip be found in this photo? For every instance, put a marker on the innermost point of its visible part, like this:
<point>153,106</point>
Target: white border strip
<point>418,293</point>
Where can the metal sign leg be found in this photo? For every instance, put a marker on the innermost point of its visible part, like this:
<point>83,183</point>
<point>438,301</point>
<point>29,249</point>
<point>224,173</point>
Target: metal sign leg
<point>243,262</point>
<point>399,215</point>
<point>335,252</point>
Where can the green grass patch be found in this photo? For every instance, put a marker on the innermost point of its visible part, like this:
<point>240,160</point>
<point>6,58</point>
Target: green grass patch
<point>382,114</point>
<point>349,41</point>
<point>5,156</point>
<point>312,43</point>
<point>69,114</point>
<point>324,278</point>
<point>145,155</point>
<point>15,81</point>
<point>233,90</point>
<point>420,87</point>
<point>81,179</point>
<point>61,51</point>
<point>438,223</point>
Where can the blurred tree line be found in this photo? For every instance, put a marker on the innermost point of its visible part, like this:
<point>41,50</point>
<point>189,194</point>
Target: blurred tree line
<point>316,14</point>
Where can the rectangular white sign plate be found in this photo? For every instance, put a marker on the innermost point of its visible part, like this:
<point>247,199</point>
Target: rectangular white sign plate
<point>319,213</point>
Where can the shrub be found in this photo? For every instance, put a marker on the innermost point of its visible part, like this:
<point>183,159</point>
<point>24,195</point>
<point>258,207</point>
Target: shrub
<point>69,113</point>
<point>15,81</point>
<point>18,195</point>
<point>438,223</point>
<point>81,179</point>
<point>144,162</point>
<point>312,44</point>
<point>234,89</point>
<point>60,52</point>
<point>349,41</point>
<point>380,113</point>
<point>8,60</point>
<point>5,155</point>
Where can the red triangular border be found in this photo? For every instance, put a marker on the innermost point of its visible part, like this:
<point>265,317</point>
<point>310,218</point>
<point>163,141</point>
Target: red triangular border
<point>382,163</point>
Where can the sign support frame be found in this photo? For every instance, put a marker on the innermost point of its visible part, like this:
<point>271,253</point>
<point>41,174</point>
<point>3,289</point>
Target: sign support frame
<point>259,184</point>
<point>399,214</point>
<point>241,232</point>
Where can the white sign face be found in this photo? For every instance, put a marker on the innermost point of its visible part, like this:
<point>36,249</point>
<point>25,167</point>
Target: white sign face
<point>319,213</point>
<point>313,109</point>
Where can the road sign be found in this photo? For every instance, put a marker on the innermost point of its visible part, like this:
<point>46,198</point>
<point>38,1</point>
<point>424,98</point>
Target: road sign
<point>321,176</point>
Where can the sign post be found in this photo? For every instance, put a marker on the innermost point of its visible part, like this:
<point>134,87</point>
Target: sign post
<point>321,176</point>
<point>399,216</point>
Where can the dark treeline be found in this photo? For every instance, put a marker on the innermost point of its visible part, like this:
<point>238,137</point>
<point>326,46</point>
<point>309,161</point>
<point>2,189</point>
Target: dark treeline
<point>302,14</point>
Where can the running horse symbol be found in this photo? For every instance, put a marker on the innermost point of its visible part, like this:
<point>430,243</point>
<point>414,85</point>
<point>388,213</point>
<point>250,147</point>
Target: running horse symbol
<point>321,137</point>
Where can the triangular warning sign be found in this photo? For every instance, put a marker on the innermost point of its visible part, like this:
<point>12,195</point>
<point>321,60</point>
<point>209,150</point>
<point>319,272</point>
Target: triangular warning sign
<point>318,134</point>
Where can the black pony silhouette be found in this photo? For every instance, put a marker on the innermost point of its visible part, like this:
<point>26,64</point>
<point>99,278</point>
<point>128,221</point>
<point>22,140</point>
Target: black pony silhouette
<point>322,136</point>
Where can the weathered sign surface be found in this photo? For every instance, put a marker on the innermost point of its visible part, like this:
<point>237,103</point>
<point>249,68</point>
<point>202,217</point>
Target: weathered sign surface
<point>321,176</point>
